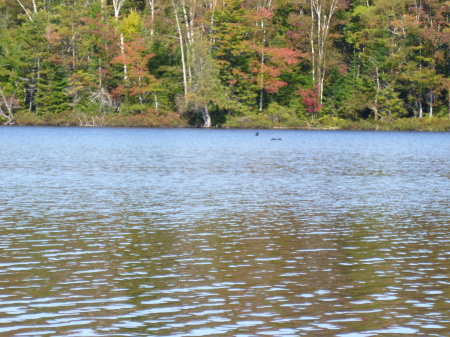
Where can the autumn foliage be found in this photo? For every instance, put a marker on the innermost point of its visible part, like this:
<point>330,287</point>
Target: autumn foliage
<point>212,61</point>
<point>310,99</point>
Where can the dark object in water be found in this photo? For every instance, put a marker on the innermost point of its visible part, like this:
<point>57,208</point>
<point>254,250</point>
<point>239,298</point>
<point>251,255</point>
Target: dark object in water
<point>275,139</point>
<point>257,134</point>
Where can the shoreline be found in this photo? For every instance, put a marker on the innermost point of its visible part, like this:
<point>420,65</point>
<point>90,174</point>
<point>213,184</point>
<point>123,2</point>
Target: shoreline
<point>260,122</point>
<point>356,126</point>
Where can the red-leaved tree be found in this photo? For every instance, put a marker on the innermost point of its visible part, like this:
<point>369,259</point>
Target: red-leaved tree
<point>311,100</point>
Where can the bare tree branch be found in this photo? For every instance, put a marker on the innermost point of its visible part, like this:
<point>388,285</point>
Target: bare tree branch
<point>7,104</point>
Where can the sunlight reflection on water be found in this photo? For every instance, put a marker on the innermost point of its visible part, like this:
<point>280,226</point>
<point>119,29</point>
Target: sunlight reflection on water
<point>140,232</point>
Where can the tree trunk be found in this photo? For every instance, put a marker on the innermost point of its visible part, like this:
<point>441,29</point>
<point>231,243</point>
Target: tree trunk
<point>30,87</point>
<point>313,49</point>
<point>151,3</point>
<point>156,101</point>
<point>122,51</point>
<point>261,88</point>
<point>377,93</point>
<point>213,5</point>
<point>189,42</point>
<point>206,117</point>
<point>183,59</point>
<point>419,104</point>
<point>375,111</point>
<point>321,15</point>
<point>25,10</point>
<point>429,98</point>
<point>6,108</point>
<point>448,103</point>
<point>33,87</point>
<point>117,4</point>
<point>267,6</point>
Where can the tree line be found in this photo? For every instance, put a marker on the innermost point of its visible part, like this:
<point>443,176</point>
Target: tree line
<point>213,62</point>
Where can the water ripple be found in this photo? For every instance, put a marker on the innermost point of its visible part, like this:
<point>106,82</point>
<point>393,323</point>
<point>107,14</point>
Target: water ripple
<point>136,232</point>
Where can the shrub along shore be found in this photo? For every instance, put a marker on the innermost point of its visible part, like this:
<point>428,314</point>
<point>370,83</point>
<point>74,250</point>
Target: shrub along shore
<point>261,121</point>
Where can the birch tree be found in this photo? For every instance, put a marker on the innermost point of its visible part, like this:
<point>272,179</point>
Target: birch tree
<point>182,48</point>
<point>28,11</point>
<point>151,5</point>
<point>7,105</point>
<point>322,12</point>
<point>314,23</point>
<point>117,6</point>
<point>264,14</point>
<point>205,87</point>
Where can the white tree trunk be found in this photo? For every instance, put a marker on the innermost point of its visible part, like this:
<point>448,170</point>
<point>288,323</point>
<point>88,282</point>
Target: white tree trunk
<point>206,117</point>
<point>151,4</point>
<point>117,5</point>
<point>430,97</point>
<point>313,49</point>
<point>377,94</point>
<point>183,59</point>
<point>261,89</point>
<point>6,108</point>
<point>213,5</point>
<point>122,51</point>
<point>156,101</point>
<point>322,12</point>
<point>25,10</point>
<point>189,15</point>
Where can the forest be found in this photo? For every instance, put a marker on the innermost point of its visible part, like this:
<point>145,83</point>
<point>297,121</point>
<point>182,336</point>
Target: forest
<point>363,64</point>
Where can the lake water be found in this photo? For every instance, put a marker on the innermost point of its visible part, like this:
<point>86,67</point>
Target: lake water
<point>192,232</point>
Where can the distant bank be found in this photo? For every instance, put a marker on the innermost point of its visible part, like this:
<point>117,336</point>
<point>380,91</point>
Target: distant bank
<point>262,121</point>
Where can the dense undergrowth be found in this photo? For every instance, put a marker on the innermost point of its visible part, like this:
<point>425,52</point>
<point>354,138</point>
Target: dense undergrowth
<point>259,121</point>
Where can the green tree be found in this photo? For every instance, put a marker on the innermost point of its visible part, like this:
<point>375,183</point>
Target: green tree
<point>205,87</point>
